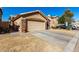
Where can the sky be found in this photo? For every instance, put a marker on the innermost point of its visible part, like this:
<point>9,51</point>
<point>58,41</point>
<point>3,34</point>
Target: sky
<point>53,11</point>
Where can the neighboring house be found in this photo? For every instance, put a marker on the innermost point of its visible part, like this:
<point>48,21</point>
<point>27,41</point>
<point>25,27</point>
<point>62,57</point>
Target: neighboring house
<point>53,21</point>
<point>30,21</point>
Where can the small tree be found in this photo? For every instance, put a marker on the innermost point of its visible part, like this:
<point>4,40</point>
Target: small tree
<point>61,20</point>
<point>66,17</point>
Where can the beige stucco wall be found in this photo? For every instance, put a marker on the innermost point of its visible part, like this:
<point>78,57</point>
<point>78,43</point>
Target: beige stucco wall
<point>18,22</point>
<point>37,16</point>
<point>36,26</point>
<point>53,23</point>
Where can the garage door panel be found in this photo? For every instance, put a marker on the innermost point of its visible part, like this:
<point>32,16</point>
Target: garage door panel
<point>36,26</point>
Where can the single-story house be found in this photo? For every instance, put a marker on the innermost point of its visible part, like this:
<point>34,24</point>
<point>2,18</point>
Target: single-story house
<point>30,21</point>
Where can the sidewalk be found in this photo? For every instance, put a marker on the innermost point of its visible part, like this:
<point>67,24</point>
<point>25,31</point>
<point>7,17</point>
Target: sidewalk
<point>72,44</point>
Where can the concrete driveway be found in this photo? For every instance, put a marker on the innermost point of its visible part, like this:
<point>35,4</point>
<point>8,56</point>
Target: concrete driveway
<point>65,41</point>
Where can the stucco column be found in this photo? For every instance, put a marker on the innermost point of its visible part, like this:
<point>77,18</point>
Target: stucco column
<point>23,27</point>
